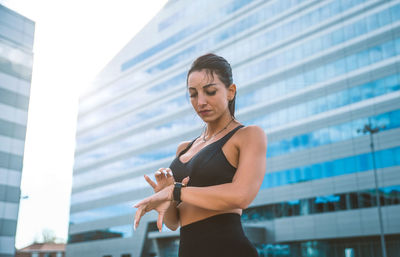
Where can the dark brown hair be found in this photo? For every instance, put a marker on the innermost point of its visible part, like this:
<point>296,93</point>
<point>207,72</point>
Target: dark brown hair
<point>213,63</point>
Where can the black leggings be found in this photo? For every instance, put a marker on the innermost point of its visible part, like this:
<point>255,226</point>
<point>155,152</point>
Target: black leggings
<point>219,235</point>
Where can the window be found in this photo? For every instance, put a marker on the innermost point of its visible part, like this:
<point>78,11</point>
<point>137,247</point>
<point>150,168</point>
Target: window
<point>316,171</point>
<point>306,206</point>
<point>341,203</point>
<point>392,195</point>
<point>351,200</point>
<point>278,210</point>
<point>366,199</point>
<point>322,204</point>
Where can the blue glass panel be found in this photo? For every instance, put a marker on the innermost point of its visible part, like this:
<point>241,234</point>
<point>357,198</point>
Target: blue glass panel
<point>360,28</point>
<point>394,119</point>
<point>351,63</point>
<point>388,50</point>
<point>338,167</point>
<point>347,165</point>
<point>295,142</point>
<point>391,84</point>
<point>384,18</point>
<point>372,22</point>
<point>385,159</point>
<point>317,171</point>
<point>305,139</point>
<point>298,174</point>
<point>381,121</point>
<point>395,12</point>
<point>236,5</point>
<point>364,162</point>
<point>338,36</point>
<point>396,153</point>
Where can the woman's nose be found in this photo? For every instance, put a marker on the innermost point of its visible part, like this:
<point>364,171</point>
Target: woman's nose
<point>201,100</point>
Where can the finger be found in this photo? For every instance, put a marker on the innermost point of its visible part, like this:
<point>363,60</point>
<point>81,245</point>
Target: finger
<point>136,205</point>
<point>171,179</point>
<point>158,175</point>
<point>160,221</point>
<point>151,182</point>
<point>169,173</point>
<point>137,218</point>
<point>186,180</point>
<point>142,202</point>
<point>164,172</point>
<point>146,209</point>
<point>140,213</point>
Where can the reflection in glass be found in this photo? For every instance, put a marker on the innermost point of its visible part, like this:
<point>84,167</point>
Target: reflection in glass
<point>322,204</point>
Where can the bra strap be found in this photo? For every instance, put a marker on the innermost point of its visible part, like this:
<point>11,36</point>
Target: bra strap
<point>187,147</point>
<point>222,141</point>
<point>225,138</point>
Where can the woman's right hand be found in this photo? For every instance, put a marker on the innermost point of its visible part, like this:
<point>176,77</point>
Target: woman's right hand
<point>163,177</point>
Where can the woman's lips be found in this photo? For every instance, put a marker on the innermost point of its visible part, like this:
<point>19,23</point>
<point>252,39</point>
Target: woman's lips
<point>204,112</point>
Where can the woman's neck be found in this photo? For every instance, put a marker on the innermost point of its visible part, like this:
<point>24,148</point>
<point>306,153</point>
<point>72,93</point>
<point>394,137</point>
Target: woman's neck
<point>219,124</point>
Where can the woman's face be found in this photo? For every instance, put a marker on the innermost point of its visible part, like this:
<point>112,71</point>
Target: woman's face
<point>208,95</point>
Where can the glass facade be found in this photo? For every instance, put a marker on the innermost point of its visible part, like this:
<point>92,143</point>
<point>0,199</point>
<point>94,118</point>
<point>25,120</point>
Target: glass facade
<point>310,73</point>
<point>227,9</point>
<point>316,205</point>
<point>327,203</point>
<point>16,58</point>
<point>321,204</point>
<point>306,109</point>
<point>356,246</point>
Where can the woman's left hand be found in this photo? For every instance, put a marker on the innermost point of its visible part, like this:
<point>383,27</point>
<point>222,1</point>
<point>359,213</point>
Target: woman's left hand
<point>163,177</point>
<point>160,202</point>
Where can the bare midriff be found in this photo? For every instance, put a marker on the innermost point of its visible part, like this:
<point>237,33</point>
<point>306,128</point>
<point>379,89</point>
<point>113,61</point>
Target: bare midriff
<point>190,213</point>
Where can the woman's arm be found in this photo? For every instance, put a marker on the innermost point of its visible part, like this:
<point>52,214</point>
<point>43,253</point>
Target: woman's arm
<point>237,194</point>
<point>246,182</point>
<point>171,217</point>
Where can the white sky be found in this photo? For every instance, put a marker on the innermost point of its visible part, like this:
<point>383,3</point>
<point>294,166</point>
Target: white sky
<point>74,40</point>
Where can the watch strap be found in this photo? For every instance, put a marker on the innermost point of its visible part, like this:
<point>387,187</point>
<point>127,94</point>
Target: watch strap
<point>177,191</point>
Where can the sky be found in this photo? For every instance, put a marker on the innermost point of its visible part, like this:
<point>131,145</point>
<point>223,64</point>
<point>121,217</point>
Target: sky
<point>73,41</point>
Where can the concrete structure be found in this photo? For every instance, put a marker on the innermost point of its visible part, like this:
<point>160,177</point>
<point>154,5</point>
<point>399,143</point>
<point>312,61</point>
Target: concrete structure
<point>16,41</point>
<point>311,73</point>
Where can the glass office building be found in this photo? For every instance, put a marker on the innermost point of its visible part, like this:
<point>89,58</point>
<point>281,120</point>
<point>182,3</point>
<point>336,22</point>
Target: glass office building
<point>311,73</point>
<point>16,57</point>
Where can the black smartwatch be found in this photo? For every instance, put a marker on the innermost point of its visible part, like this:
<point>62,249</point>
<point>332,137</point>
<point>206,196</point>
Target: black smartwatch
<point>177,192</point>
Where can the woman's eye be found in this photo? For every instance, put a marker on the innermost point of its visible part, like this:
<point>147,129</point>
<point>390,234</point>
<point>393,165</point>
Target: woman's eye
<point>192,95</point>
<point>211,93</point>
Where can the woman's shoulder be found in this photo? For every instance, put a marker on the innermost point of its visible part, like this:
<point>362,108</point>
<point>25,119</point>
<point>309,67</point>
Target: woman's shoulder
<point>252,130</point>
<point>252,133</point>
<point>182,147</point>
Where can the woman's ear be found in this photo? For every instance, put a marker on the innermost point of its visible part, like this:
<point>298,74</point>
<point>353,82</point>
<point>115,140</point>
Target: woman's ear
<point>231,92</point>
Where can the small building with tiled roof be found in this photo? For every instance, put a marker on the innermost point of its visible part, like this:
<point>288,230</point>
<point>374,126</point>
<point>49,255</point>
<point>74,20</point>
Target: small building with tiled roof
<point>42,250</point>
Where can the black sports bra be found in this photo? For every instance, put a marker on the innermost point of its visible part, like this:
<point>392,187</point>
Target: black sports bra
<point>207,167</point>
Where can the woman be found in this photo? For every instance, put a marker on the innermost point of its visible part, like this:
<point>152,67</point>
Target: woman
<point>215,176</point>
